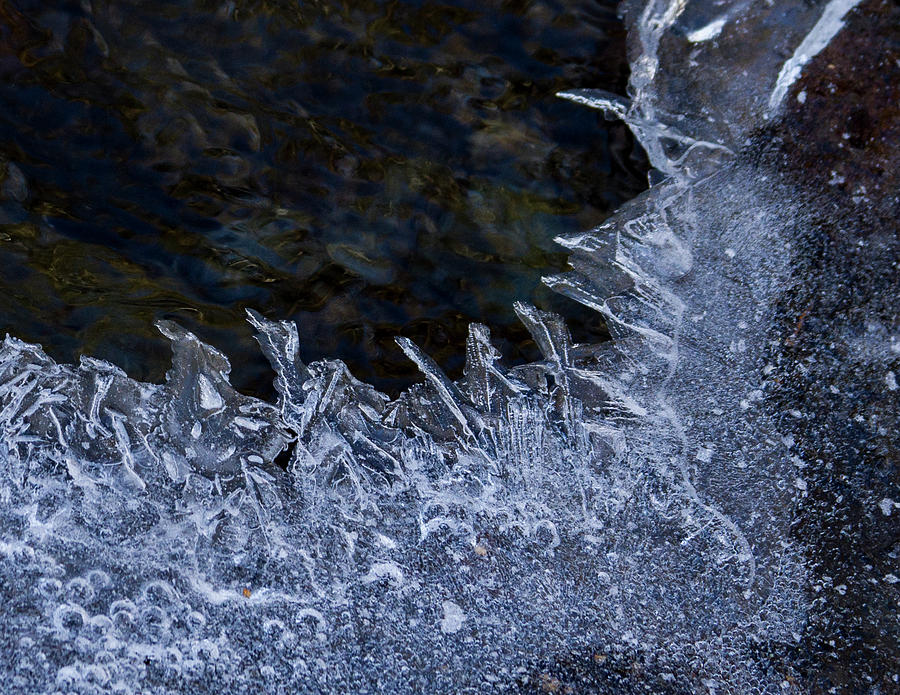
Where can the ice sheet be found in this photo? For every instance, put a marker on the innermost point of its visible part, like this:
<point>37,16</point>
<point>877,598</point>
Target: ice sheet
<point>631,503</point>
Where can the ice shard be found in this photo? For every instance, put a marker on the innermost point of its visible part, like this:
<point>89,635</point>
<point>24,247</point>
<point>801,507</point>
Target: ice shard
<point>612,518</point>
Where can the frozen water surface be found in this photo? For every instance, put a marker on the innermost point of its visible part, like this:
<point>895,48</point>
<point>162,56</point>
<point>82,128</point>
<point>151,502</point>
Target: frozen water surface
<point>631,505</point>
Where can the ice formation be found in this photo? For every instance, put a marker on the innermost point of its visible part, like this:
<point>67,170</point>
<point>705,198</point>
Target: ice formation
<point>628,504</point>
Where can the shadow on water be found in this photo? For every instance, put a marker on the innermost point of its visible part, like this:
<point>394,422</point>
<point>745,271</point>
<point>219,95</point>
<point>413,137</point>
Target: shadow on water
<point>367,169</point>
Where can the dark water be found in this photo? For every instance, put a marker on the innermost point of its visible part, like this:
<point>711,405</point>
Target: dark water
<point>367,169</point>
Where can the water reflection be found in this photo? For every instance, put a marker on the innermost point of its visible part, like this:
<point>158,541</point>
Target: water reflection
<point>368,169</point>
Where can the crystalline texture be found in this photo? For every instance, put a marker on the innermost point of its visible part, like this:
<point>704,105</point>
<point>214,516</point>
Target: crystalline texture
<point>632,501</point>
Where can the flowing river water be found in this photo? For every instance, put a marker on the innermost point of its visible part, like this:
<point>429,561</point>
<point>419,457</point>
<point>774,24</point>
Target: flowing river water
<point>367,169</point>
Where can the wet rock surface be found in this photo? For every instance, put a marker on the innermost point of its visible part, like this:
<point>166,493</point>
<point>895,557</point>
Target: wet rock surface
<point>840,128</point>
<point>842,138</point>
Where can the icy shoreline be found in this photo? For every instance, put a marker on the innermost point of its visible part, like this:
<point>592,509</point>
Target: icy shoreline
<point>627,504</point>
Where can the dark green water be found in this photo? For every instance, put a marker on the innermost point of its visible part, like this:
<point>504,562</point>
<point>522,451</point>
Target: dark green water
<point>367,169</point>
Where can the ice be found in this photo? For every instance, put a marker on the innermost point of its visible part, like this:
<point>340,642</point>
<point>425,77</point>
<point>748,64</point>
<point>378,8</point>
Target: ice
<point>453,618</point>
<point>830,23</point>
<point>632,504</point>
<point>708,32</point>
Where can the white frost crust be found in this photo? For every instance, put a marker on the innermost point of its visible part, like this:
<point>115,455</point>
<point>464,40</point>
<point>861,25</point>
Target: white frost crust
<point>601,495</point>
<point>708,32</point>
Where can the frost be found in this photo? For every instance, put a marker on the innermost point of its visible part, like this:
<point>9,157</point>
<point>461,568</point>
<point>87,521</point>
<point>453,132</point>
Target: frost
<point>708,32</point>
<point>632,499</point>
<point>453,618</point>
